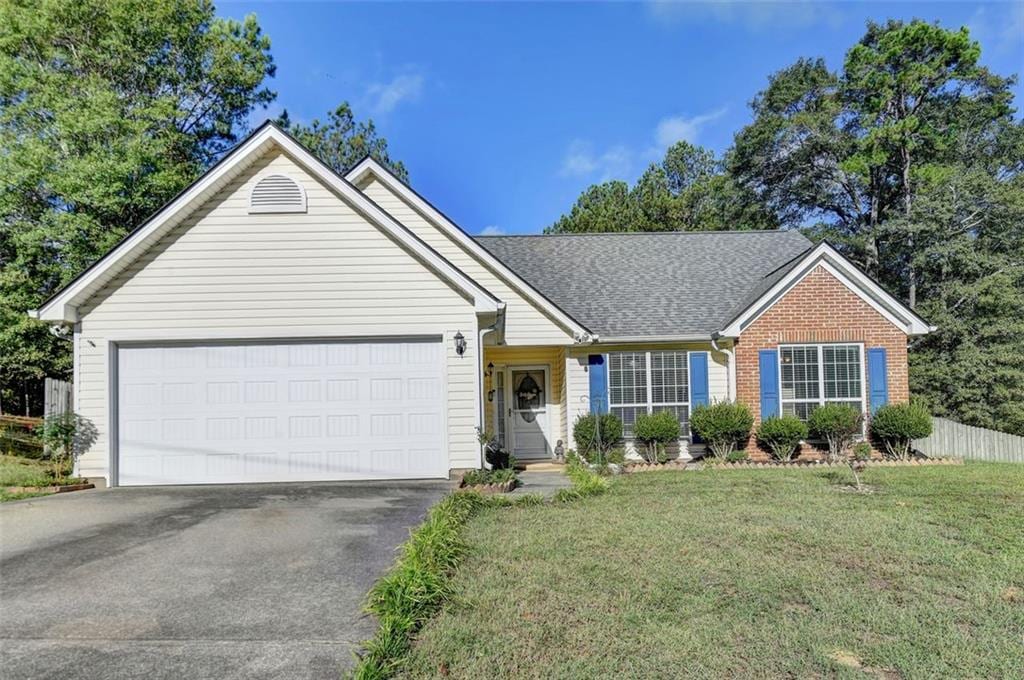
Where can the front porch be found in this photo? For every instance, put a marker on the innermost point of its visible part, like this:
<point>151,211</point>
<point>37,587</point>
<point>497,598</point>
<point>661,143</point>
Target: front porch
<point>525,400</point>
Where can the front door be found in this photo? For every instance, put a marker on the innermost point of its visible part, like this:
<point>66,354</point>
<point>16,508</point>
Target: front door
<point>528,409</point>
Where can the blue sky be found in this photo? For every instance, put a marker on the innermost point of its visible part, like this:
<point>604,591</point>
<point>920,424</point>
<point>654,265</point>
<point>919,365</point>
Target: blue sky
<point>504,112</point>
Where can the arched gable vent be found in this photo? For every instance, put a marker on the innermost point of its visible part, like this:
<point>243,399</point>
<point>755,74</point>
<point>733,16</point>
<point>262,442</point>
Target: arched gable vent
<point>277,194</point>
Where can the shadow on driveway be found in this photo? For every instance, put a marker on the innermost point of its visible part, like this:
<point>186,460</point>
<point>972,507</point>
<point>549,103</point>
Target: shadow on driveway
<point>246,581</point>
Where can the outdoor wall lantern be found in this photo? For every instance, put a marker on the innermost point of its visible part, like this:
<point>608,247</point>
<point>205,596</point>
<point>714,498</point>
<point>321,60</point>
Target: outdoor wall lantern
<point>460,343</point>
<point>490,369</point>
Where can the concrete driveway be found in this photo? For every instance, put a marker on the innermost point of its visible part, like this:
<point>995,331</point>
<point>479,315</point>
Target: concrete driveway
<point>249,581</point>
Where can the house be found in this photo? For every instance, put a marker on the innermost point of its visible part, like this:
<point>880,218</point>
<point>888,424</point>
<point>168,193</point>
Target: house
<point>277,321</point>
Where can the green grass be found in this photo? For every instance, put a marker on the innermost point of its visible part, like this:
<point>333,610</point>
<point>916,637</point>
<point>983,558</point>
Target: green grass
<point>759,573</point>
<point>18,471</point>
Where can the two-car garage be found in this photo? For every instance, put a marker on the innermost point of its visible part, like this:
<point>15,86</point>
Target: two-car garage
<point>227,412</point>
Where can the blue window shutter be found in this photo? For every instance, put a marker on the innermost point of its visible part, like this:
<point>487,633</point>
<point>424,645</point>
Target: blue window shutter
<point>878,378</point>
<point>598,383</point>
<point>768,360</point>
<point>699,393</point>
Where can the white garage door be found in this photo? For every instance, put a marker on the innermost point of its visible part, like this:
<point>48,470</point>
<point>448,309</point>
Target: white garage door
<point>252,412</point>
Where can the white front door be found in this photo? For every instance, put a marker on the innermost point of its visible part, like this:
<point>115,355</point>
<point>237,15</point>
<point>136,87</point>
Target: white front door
<point>528,409</point>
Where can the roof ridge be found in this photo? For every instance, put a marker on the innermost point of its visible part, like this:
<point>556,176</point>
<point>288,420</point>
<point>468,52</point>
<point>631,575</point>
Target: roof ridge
<point>643,233</point>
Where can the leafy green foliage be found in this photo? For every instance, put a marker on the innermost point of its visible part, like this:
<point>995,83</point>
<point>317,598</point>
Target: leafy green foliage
<point>687,191</point>
<point>596,436</point>
<point>655,431</point>
<point>909,159</point>
<point>342,141</point>
<point>585,483</point>
<point>721,425</point>
<point>107,109</point>
<point>897,425</point>
<point>496,476</point>
<point>65,437</point>
<point>782,435</point>
<point>837,424</point>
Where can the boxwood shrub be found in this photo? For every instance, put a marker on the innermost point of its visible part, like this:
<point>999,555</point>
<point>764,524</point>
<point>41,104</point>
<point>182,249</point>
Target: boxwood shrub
<point>837,424</point>
<point>782,436</point>
<point>585,434</point>
<point>654,431</point>
<point>721,425</point>
<point>895,426</point>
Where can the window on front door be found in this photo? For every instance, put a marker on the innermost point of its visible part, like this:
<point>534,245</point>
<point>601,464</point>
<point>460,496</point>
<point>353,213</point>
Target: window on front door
<point>645,382</point>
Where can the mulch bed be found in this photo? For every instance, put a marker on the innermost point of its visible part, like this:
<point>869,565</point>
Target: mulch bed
<point>750,464</point>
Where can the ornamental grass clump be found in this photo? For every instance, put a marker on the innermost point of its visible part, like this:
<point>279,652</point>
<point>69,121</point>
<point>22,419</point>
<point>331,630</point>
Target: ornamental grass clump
<point>896,426</point>
<point>837,424</point>
<point>782,436</point>
<point>417,585</point>
<point>655,431</point>
<point>722,425</point>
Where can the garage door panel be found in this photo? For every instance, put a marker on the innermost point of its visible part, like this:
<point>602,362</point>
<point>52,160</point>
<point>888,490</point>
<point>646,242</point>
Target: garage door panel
<point>280,412</point>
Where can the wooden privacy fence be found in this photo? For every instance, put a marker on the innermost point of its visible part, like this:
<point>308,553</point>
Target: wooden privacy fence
<point>57,397</point>
<point>950,438</point>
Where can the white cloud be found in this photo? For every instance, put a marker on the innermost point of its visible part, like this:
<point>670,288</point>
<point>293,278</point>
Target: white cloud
<point>492,230</point>
<point>674,128</point>
<point>619,162</point>
<point>755,15</point>
<point>581,159</point>
<point>1002,32</point>
<point>386,96</point>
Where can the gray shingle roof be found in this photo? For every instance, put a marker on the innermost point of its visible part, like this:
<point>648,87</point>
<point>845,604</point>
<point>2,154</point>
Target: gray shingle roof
<point>651,284</point>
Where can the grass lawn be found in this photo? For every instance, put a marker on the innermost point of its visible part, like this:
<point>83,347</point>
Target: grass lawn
<point>18,471</point>
<point>759,573</point>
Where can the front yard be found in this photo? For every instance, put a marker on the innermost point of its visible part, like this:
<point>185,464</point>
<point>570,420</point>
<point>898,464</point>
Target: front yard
<point>763,573</point>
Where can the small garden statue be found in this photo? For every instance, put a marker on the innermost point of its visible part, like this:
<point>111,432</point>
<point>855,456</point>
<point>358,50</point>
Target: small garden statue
<point>559,450</point>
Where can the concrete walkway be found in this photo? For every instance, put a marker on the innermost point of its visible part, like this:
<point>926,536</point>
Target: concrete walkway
<point>545,482</point>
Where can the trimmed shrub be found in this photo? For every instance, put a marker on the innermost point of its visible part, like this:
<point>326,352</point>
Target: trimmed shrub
<point>721,425</point>
<point>654,431</point>
<point>837,424</point>
<point>782,436</point>
<point>65,437</point>
<point>897,425</point>
<point>586,430</point>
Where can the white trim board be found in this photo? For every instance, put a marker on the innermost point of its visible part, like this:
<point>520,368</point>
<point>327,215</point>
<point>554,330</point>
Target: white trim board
<point>63,307</point>
<point>369,166</point>
<point>845,272</point>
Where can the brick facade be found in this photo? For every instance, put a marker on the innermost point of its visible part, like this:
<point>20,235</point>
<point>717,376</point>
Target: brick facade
<point>819,309</point>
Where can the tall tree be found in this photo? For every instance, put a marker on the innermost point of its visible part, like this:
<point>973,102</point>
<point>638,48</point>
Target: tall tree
<point>910,160</point>
<point>107,109</point>
<point>341,141</point>
<point>687,191</point>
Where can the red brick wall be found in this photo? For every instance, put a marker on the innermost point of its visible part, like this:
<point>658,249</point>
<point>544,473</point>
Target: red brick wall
<point>818,309</point>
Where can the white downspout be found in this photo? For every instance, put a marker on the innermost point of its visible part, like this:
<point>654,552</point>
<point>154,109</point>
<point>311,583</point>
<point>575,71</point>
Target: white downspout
<point>731,354</point>
<point>480,420</point>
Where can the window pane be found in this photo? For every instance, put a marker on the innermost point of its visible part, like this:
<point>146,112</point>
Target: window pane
<point>499,400</point>
<point>627,378</point>
<point>627,414</point>
<point>800,409</point>
<point>799,372</point>
<point>669,377</point>
<point>842,371</point>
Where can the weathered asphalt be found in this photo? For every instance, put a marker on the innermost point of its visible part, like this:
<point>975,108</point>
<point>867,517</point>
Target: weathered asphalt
<point>246,581</point>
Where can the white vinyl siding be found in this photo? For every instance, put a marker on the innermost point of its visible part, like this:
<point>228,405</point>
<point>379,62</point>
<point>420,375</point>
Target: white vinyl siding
<point>525,324</point>
<point>813,375</point>
<point>226,274</point>
<point>648,382</point>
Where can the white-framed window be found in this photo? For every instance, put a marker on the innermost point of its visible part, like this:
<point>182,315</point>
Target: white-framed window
<point>645,382</point>
<point>817,374</point>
